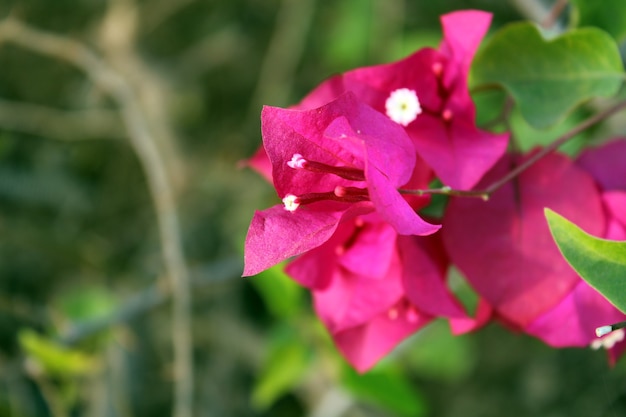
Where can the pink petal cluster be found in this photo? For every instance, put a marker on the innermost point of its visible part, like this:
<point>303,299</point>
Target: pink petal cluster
<point>342,161</point>
<point>444,133</point>
<point>526,281</point>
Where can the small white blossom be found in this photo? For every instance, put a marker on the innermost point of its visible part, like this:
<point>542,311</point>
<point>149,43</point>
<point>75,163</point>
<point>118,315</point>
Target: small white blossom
<point>403,106</point>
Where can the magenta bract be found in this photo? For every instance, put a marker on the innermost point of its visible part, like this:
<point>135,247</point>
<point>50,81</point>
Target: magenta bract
<point>504,246</point>
<point>350,159</point>
<point>372,287</point>
<point>444,133</point>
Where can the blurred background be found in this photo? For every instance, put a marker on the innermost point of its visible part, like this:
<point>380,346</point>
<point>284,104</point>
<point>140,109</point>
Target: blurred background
<point>123,124</point>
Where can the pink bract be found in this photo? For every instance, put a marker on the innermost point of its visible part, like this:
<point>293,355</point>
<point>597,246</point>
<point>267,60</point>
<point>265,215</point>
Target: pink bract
<point>345,136</point>
<point>504,246</point>
<point>372,288</point>
<point>444,134</point>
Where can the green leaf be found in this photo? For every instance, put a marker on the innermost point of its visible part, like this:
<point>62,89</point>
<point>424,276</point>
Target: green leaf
<point>287,360</point>
<point>548,78</point>
<point>439,355</point>
<point>600,262</point>
<point>54,359</point>
<point>282,295</point>
<point>527,137</point>
<point>84,303</point>
<point>609,15</point>
<point>385,388</point>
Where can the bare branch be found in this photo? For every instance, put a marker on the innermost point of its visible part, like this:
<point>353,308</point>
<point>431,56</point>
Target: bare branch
<point>149,299</point>
<point>143,143</point>
<point>60,124</point>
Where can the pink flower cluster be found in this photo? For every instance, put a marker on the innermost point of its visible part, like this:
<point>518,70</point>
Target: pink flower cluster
<point>342,161</point>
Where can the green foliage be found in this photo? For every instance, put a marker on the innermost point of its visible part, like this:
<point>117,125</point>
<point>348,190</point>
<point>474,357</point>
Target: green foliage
<point>352,16</point>
<point>527,137</point>
<point>288,358</point>
<point>609,15</point>
<point>387,388</point>
<point>86,303</point>
<point>282,296</point>
<point>439,355</point>
<point>54,359</point>
<point>600,262</point>
<point>548,78</point>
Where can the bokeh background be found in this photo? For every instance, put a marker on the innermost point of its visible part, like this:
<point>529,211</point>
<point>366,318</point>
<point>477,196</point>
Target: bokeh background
<point>88,324</point>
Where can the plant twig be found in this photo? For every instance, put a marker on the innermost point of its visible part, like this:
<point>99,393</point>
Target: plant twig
<point>486,192</point>
<point>161,189</point>
<point>60,124</point>
<point>554,14</point>
<point>149,299</point>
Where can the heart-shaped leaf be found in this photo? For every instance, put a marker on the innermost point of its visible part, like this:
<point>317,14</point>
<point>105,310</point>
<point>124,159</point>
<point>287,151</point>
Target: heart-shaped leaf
<point>548,78</point>
<point>600,262</point>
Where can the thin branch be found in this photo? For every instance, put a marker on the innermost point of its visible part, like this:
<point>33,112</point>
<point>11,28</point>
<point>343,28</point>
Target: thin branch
<point>161,11</point>
<point>554,14</point>
<point>143,143</point>
<point>486,192</point>
<point>532,9</point>
<point>149,299</point>
<point>60,124</point>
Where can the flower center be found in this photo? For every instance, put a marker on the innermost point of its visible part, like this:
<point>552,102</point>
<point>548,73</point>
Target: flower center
<point>609,340</point>
<point>403,106</point>
<point>340,193</point>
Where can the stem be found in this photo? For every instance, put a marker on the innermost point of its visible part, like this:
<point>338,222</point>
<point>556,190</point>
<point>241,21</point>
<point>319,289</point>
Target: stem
<point>159,182</point>
<point>486,192</point>
<point>554,14</point>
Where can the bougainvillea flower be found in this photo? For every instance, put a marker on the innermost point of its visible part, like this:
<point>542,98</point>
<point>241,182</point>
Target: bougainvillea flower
<point>573,321</point>
<point>372,287</point>
<point>427,94</point>
<point>606,166</point>
<point>504,246</point>
<point>328,165</point>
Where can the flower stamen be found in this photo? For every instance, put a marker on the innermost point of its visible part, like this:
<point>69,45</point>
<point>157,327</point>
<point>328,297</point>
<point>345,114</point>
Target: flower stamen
<point>299,162</point>
<point>340,194</point>
<point>609,340</point>
<point>291,202</point>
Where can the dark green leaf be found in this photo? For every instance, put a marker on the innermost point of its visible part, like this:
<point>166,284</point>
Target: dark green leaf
<point>548,78</point>
<point>609,15</point>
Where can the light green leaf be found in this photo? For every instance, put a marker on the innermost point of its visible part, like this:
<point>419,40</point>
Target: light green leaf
<point>85,303</point>
<point>600,262</point>
<point>548,78</point>
<point>282,295</point>
<point>385,388</point>
<point>288,358</point>
<point>609,15</point>
<point>53,358</point>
